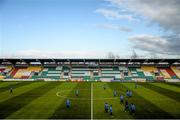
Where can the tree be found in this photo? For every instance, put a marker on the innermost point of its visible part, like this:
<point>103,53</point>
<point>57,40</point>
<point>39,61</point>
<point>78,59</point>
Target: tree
<point>117,56</point>
<point>111,55</point>
<point>134,55</point>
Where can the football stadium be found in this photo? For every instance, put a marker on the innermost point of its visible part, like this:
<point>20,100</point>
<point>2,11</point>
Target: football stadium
<point>39,88</point>
<point>89,59</point>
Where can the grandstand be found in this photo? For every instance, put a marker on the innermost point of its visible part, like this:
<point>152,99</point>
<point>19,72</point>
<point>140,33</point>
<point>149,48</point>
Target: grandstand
<point>149,80</point>
<point>90,69</point>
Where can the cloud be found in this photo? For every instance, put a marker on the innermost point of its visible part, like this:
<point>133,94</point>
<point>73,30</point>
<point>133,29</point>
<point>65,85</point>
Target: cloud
<point>165,13</point>
<point>55,54</point>
<point>114,27</point>
<point>156,44</point>
<point>126,29</point>
<point>114,15</point>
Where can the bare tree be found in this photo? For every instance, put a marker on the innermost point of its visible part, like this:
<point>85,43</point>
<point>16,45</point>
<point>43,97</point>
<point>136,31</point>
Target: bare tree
<point>111,55</point>
<point>134,55</point>
<point>117,56</point>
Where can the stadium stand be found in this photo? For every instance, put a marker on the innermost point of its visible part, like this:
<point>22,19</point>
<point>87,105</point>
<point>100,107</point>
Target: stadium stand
<point>96,75</point>
<point>171,73</point>
<point>80,73</point>
<point>176,70</point>
<point>110,74</point>
<point>107,71</point>
<point>1,72</point>
<point>164,73</point>
<point>24,73</point>
<point>13,72</point>
<point>126,75</point>
<point>50,72</point>
<point>66,72</point>
<point>21,73</point>
<point>137,74</point>
<point>149,72</point>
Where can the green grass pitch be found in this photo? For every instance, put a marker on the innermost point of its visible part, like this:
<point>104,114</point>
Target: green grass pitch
<point>46,100</point>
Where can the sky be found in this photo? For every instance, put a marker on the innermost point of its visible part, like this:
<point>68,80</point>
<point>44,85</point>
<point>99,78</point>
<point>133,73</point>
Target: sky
<point>89,28</point>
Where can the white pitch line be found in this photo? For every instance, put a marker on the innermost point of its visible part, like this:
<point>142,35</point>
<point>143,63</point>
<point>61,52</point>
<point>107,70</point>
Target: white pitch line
<point>91,101</point>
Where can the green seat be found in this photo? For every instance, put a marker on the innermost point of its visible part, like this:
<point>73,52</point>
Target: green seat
<point>127,78</point>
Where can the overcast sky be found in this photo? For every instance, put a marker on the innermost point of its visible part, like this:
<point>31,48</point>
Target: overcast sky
<point>89,28</point>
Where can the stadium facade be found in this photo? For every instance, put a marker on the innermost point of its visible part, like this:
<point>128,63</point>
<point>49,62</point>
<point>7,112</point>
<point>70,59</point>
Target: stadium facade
<point>90,69</point>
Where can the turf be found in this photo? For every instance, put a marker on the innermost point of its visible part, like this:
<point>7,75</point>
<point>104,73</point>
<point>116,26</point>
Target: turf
<point>43,100</point>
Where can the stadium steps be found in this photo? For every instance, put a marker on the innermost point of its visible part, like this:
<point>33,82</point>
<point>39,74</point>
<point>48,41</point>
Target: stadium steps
<point>148,72</point>
<point>171,73</point>
<point>127,78</point>
<point>136,73</point>
<point>2,69</point>
<point>53,73</point>
<point>14,72</point>
<point>81,73</point>
<point>113,73</point>
<point>164,73</point>
<point>176,70</point>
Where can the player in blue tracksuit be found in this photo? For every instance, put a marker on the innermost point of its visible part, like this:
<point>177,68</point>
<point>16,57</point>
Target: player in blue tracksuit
<point>127,93</point>
<point>77,92</point>
<point>106,106</point>
<point>126,106</point>
<point>111,110</point>
<point>133,108</point>
<point>115,93</point>
<point>130,93</point>
<point>121,99</point>
<point>68,103</point>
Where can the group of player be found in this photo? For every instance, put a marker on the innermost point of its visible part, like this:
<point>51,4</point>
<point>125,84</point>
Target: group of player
<point>68,103</point>
<point>127,107</point>
<point>128,93</point>
<point>108,108</point>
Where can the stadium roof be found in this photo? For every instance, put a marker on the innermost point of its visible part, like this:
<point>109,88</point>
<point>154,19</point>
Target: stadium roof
<point>13,61</point>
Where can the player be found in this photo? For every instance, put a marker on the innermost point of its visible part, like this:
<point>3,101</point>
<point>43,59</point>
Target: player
<point>106,107</point>
<point>127,93</point>
<point>126,106</point>
<point>133,109</point>
<point>115,93</point>
<point>77,93</point>
<point>11,90</point>
<point>104,87</point>
<point>111,110</point>
<point>121,99</point>
<point>130,93</point>
<point>68,103</point>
